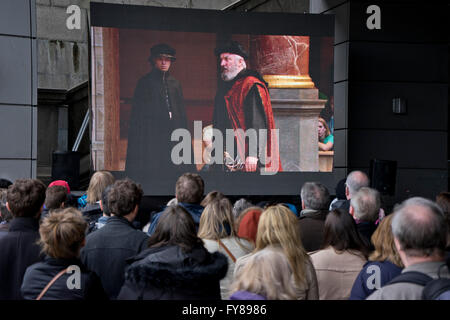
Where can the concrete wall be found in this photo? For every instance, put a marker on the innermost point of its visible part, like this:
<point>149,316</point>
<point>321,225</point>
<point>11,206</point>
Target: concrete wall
<point>18,89</point>
<point>63,59</point>
<point>63,64</point>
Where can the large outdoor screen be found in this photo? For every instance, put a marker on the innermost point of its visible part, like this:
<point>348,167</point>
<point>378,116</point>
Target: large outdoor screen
<point>243,99</point>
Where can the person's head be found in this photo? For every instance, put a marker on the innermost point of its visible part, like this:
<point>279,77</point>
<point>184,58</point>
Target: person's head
<point>104,201</point>
<point>278,226</point>
<point>365,204</point>
<point>5,215</point>
<point>322,129</point>
<point>443,201</point>
<point>189,188</point>
<point>55,197</point>
<point>315,196</point>
<point>175,227</point>
<point>99,181</point>
<point>247,223</point>
<point>60,183</point>
<point>267,273</point>
<point>217,220</point>
<point>211,197</point>
<point>419,229</point>
<point>162,56</point>
<point>124,198</point>
<point>232,59</point>
<point>239,206</point>
<point>340,233</point>
<point>62,233</point>
<point>25,198</point>
<point>355,181</point>
<point>5,183</point>
<point>383,242</point>
<point>340,190</point>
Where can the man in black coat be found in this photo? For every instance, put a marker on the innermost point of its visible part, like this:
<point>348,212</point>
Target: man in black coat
<point>315,200</point>
<point>107,249</point>
<point>18,247</point>
<point>355,181</point>
<point>365,208</point>
<point>157,110</point>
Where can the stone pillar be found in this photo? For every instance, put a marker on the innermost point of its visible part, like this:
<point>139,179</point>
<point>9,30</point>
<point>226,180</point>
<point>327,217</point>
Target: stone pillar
<point>284,63</point>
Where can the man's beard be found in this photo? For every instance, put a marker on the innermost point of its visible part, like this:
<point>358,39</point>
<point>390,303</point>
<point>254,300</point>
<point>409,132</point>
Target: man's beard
<point>230,74</point>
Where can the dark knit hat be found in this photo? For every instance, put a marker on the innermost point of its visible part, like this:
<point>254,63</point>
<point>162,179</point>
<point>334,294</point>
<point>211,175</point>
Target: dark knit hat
<point>231,47</point>
<point>162,50</point>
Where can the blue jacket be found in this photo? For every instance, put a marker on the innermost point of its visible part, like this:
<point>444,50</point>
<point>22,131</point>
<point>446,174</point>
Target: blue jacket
<point>194,209</point>
<point>364,284</point>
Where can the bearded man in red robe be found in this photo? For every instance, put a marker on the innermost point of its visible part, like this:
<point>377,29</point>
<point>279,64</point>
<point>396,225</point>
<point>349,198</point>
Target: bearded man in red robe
<point>242,102</point>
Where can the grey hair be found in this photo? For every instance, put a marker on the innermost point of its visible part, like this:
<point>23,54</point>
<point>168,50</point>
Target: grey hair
<point>366,204</point>
<point>356,180</point>
<point>420,228</point>
<point>315,196</point>
<point>240,205</point>
<point>244,65</point>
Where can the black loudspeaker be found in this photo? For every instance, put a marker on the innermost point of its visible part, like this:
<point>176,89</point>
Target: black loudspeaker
<point>66,166</point>
<point>383,175</point>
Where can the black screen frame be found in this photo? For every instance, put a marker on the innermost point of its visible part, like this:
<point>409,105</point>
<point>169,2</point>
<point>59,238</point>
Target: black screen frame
<point>231,22</point>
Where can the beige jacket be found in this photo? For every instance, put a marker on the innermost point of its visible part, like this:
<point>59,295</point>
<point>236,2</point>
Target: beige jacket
<point>336,272</point>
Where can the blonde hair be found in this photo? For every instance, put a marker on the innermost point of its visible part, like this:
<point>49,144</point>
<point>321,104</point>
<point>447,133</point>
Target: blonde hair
<point>210,197</point>
<point>62,233</point>
<point>383,241</point>
<point>216,215</point>
<point>267,273</point>
<point>327,129</point>
<point>99,181</point>
<point>278,226</point>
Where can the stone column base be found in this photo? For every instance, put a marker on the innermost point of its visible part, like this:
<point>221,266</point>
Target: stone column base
<point>296,112</point>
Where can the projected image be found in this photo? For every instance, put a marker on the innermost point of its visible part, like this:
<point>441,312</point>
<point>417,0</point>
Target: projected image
<point>246,100</point>
<point>239,102</point>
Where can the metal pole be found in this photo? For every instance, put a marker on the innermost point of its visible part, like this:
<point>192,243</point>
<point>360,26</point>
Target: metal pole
<point>81,132</point>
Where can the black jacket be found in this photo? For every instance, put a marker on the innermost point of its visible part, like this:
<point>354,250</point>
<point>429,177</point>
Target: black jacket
<point>18,250</point>
<point>150,126</point>
<point>311,226</point>
<point>107,249</point>
<point>92,212</point>
<point>366,230</point>
<point>40,274</point>
<point>169,273</point>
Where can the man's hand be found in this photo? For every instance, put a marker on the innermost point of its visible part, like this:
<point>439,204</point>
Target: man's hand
<point>251,164</point>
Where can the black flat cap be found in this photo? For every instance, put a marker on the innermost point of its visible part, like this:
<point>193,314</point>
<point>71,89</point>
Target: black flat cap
<point>231,47</point>
<point>162,50</point>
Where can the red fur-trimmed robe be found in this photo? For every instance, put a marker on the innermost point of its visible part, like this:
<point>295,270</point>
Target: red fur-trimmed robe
<point>234,101</point>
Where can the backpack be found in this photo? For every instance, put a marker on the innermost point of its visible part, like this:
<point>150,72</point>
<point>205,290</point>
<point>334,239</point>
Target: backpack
<point>434,289</point>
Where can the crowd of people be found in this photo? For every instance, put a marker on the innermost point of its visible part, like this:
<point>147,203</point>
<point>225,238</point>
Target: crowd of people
<point>54,245</point>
